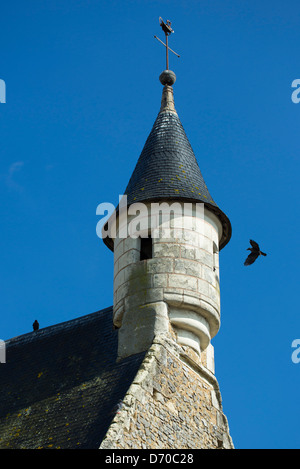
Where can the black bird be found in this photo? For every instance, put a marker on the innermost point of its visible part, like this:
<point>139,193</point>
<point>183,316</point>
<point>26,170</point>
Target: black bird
<point>166,26</point>
<point>35,325</point>
<point>255,252</point>
<point>117,408</point>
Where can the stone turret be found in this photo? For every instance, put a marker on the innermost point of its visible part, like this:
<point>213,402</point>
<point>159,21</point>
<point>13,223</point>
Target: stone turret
<point>168,233</point>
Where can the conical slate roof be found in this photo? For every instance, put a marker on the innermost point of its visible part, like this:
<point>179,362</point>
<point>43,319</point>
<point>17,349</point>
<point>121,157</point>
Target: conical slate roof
<point>167,168</point>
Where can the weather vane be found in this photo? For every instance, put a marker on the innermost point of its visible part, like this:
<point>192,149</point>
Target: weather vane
<point>166,27</point>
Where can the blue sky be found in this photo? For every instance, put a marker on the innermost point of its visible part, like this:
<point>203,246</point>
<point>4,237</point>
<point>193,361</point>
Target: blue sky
<point>82,93</point>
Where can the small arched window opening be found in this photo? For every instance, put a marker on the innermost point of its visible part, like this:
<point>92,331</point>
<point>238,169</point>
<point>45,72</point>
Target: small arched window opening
<point>146,248</point>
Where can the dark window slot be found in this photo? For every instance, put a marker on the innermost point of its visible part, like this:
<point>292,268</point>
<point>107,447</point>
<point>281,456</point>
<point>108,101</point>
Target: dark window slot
<point>146,248</point>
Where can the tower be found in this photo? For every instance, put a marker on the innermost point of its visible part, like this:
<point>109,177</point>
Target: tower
<point>166,235</point>
<point>166,272</point>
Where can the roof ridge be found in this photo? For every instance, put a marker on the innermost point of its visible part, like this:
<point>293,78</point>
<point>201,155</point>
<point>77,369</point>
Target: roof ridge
<point>50,330</point>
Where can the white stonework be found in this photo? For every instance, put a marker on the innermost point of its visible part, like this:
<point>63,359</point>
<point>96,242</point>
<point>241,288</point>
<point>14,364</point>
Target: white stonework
<point>176,290</point>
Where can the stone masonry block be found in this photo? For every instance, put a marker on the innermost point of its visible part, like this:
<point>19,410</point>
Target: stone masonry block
<point>191,237</point>
<point>129,257</point>
<point>204,257</point>
<point>143,297</point>
<point>156,266</point>
<point>183,281</point>
<point>135,270</point>
<point>208,274</point>
<point>203,287</point>
<point>160,280</point>
<point>173,296</point>
<point>118,249</point>
<point>187,252</point>
<point>205,243</point>
<point>166,250</point>
<point>188,267</point>
<point>119,279</point>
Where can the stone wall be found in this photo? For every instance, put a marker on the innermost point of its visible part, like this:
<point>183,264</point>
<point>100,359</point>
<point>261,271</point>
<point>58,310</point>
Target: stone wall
<point>184,262</point>
<point>180,283</point>
<point>173,403</point>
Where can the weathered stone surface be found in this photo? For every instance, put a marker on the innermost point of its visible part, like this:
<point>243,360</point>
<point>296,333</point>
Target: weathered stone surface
<point>182,272</point>
<point>173,403</point>
<point>140,326</point>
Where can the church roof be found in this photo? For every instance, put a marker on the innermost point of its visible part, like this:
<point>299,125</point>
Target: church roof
<point>167,168</point>
<point>60,385</point>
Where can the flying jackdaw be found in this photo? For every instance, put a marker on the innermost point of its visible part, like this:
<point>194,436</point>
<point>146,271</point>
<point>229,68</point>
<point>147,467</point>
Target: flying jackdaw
<point>255,252</point>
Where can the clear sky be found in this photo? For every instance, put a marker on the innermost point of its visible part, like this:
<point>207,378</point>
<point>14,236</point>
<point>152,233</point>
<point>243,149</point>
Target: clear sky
<point>82,93</point>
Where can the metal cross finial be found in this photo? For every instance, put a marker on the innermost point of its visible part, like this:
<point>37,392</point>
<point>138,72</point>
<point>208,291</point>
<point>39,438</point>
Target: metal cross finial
<point>166,27</point>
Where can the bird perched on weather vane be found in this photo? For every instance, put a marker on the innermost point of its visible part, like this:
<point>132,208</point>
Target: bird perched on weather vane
<point>166,27</point>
